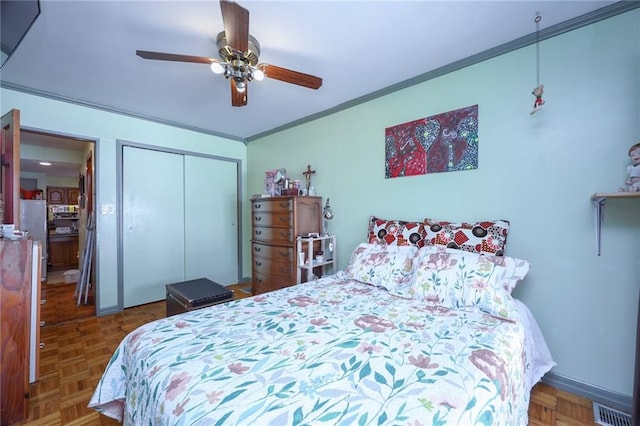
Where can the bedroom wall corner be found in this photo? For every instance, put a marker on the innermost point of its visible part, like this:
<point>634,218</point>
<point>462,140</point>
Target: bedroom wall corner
<point>538,171</point>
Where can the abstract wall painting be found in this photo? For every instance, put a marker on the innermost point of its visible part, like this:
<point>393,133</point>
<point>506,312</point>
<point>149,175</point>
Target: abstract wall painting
<point>444,142</point>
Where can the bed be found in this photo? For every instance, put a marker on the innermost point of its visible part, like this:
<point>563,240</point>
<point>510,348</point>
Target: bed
<point>404,335</point>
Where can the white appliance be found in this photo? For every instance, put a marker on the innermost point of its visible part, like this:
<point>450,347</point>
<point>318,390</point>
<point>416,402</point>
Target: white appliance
<point>33,218</point>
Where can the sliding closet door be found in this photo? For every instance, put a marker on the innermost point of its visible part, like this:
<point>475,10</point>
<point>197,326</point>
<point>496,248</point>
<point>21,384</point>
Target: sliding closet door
<point>211,219</point>
<point>152,224</point>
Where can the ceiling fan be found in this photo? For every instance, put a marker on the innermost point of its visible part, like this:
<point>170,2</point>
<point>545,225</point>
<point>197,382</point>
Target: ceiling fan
<point>239,53</point>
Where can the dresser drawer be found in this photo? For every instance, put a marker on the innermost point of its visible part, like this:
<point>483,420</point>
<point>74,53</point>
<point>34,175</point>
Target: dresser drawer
<point>274,235</point>
<point>276,219</point>
<point>281,270</point>
<point>265,283</point>
<point>275,205</point>
<point>273,252</point>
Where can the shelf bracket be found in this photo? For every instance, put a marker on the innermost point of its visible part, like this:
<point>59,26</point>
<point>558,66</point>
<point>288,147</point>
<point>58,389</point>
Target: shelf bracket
<point>598,205</point>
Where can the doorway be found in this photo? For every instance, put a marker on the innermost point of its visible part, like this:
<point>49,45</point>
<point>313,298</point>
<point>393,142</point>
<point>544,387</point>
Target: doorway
<point>60,170</point>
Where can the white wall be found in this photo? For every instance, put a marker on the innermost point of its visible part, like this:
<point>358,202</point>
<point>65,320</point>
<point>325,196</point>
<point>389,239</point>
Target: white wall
<point>38,113</point>
<point>536,171</point>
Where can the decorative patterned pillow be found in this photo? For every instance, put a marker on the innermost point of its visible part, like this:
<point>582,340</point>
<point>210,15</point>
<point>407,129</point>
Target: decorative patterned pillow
<point>396,232</point>
<point>485,287</point>
<point>390,267</point>
<point>480,237</point>
<point>517,269</point>
<point>435,280</point>
<point>461,280</point>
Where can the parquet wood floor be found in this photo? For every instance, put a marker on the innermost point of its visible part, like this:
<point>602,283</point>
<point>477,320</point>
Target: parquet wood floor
<point>77,350</point>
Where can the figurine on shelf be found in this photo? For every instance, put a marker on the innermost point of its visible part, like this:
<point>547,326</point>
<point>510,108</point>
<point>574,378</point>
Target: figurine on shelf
<point>632,184</point>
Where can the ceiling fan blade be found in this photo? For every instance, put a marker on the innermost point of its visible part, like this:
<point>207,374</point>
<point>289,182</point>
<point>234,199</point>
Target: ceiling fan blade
<point>235,19</point>
<point>173,57</point>
<point>289,76</point>
<point>238,98</point>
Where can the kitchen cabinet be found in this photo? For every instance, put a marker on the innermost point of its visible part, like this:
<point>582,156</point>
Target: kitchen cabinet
<point>72,196</point>
<point>63,251</point>
<point>62,195</point>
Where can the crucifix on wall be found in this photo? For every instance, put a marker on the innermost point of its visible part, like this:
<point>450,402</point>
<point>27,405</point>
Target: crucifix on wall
<point>307,175</point>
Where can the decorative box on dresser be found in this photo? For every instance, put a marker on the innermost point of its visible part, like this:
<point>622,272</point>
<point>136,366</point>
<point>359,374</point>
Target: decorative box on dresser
<point>276,223</point>
<point>19,286</point>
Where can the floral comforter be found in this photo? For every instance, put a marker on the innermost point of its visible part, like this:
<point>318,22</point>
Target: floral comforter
<point>327,352</point>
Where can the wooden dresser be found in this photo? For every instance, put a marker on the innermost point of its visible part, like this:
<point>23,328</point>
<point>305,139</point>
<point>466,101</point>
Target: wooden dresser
<point>276,223</point>
<point>16,282</point>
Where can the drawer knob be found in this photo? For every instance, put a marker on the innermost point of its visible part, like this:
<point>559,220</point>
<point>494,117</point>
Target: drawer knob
<point>258,218</point>
<point>284,253</point>
<point>258,232</point>
<point>257,249</point>
<point>258,263</point>
<point>41,345</point>
<point>285,204</point>
<point>41,323</point>
<point>258,206</point>
<point>284,219</point>
<point>43,301</point>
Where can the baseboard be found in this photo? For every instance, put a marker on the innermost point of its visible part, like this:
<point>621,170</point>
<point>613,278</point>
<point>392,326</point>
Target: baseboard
<point>614,400</point>
<point>109,310</point>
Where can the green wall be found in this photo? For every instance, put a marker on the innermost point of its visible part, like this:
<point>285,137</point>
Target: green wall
<point>538,171</point>
<point>38,113</point>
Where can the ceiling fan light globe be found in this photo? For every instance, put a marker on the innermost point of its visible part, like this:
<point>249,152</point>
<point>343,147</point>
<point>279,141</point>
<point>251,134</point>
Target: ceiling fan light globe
<point>240,85</point>
<point>217,68</point>
<point>257,74</point>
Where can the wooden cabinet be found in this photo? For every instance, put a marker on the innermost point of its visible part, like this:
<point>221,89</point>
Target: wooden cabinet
<point>276,223</point>
<point>72,196</point>
<point>62,195</point>
<point>56,195</point>
<point>63,251</point>
<point>15,318</point>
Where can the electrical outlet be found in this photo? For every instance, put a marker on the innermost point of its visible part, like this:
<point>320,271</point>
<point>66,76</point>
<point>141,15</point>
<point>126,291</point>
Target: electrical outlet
<point>108,209</point>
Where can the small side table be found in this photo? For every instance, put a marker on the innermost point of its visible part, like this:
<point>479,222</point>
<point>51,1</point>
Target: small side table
<point>308,267</point>
<point>195,294</point>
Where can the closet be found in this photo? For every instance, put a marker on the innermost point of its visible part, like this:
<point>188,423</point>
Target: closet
<point>179,221</point>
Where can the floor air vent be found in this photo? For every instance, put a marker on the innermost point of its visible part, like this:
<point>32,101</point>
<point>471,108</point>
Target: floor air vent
<point>609,417</point>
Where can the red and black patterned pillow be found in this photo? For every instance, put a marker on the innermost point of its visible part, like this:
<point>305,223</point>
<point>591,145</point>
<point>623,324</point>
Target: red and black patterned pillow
<point>396,232</point>
<point>489,237</point>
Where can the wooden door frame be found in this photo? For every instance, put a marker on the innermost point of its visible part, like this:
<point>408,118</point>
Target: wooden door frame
<point>10,166</point>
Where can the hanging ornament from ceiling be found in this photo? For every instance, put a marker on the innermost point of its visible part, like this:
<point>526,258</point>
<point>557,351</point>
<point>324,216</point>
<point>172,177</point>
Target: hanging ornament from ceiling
<point>539,89</point>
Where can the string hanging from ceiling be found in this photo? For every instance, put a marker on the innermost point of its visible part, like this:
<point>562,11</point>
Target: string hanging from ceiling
<point>539,89</point>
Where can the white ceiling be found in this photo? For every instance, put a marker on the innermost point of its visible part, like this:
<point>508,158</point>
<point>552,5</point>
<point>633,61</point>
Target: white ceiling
<point>84,51</point>
<point>47,142</point>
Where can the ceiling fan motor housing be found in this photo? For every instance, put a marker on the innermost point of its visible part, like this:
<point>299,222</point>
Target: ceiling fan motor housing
<point>239,63</point>
<point>228,54</point>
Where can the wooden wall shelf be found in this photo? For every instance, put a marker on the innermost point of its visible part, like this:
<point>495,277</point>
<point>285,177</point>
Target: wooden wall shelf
<point>598,200</point>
